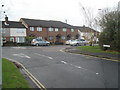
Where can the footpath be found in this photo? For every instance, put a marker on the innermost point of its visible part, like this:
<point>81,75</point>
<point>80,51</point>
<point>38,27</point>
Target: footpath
<point>100,55</point>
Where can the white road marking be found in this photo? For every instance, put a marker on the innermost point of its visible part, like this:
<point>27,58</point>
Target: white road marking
<point>79,67</point>
<point>97,73</point>
<point>19,47</point>
<point>50,57</point>
<point>64,62</point>
<point>21,55</point>
<point>44,56</point>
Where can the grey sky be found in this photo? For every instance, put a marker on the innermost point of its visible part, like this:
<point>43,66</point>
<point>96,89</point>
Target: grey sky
<point>54,9</point>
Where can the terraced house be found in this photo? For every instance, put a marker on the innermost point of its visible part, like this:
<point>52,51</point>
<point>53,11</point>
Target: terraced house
<point>13,31</point>
<point>56,32</point>
<point>53,31</point>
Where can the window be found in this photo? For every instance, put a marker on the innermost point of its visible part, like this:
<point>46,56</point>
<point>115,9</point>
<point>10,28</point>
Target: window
<point>50,29</point>
<point>82,40</point>
<point>50,37</point>
<point>63,37</point>
<point>39,28</point>
<point>12,39</point>
<point>20,39</point>
<point>39,37</point>
<point>31,28</point>
<point>64,29</point>
<point>56,29</point>
<point>72,30</point>
<point>4,40</point>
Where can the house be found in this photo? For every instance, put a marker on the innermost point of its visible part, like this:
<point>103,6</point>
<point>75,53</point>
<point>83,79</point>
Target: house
<point>53,31</point>
<point>87,33</point>
<point>13,31</point>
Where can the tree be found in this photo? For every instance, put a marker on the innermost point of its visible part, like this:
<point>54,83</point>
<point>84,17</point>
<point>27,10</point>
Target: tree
<point>29,39</point>
<point>90,21</point>
<point>110,24</point>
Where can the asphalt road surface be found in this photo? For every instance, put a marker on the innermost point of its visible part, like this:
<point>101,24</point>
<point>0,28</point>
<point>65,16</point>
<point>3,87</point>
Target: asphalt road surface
<point>56,69</point>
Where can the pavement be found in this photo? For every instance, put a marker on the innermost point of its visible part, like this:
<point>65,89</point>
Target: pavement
<point>75,50</point>
<point>56,69</point>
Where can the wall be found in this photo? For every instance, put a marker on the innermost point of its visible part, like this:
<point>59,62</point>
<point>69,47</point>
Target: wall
<point>45,33</point>
<point>18,32</point>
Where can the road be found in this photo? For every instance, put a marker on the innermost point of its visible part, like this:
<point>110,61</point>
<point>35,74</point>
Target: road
<point>56,69</point>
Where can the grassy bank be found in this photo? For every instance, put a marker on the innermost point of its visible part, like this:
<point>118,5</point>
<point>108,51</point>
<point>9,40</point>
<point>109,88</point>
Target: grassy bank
<point>11,76</point>
<point>96,49</point>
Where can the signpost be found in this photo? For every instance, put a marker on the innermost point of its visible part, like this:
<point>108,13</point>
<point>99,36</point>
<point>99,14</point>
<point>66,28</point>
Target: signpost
<point>0,55</point>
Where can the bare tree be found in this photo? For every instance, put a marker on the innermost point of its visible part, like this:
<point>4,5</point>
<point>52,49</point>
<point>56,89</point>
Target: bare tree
<point>90,20</point>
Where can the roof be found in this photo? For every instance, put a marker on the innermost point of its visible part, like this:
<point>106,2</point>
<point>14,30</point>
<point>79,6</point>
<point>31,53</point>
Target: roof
<point>46,23</point>
<point>84,28</point>
<point>12,24</point>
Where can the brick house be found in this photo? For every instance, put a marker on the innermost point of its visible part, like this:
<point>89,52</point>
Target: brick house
<point>53,31</point>
<point>13,31</point>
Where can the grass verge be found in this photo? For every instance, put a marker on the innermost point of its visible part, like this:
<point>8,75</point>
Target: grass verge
<point>11,76</point>
<point>96,49</point>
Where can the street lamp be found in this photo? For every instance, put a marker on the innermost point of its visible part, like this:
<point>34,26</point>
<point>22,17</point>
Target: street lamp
<point>1,53</point>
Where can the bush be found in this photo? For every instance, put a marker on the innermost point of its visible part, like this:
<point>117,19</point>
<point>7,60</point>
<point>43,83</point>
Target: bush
<point>111,31</point>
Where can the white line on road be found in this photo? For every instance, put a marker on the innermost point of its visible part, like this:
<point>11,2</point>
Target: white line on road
<point>44,55</point>
<point>79,67</point>
<point>21,55</point>
<point>64,62</point>
<point>19,47</point>
<point>50,57</point>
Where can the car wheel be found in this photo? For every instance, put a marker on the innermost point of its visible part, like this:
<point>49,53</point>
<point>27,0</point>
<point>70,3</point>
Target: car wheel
<point>47,44</point>
<point>77,44</point>
<point>37,44</point>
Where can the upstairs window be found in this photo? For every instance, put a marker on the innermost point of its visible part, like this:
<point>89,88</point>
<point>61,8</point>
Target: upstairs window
<point>39,28</point>
<point>72,30</point>
<point>31,28</point>
<point>56,29</point>
<point>64,29</point>
<point>50,29</point>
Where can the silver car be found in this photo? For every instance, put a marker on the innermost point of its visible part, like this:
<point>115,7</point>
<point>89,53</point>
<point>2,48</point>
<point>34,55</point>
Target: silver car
<point>78,42</point>
<point>38,42</point>
<point>68,42</point>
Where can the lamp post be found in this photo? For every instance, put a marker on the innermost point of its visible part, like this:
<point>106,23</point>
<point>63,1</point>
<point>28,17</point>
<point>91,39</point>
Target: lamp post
<point>1,43</point>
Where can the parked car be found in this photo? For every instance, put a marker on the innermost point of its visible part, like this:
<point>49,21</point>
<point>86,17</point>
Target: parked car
<point>79,42</point>
<point>38,42</point>
<point>68,42</point>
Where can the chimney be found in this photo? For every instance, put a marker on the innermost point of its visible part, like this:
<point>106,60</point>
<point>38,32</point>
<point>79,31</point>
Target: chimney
<point>66,20</point>
<point>6,20</point>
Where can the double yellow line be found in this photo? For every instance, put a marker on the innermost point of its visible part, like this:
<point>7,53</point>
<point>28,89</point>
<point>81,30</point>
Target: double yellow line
<point>35,81</point>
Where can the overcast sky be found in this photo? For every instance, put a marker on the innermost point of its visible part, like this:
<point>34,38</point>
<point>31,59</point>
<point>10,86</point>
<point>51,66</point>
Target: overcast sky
<point>59,10</point>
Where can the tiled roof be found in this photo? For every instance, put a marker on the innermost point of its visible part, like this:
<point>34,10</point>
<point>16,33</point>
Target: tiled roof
<point>46,23</point>
<point>12,24</point>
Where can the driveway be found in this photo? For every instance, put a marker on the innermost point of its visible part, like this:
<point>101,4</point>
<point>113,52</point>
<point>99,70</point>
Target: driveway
<point>56,69</point>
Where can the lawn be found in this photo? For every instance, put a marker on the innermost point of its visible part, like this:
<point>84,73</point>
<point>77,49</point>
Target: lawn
<point>96,49</point>
<point>11,76</point>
